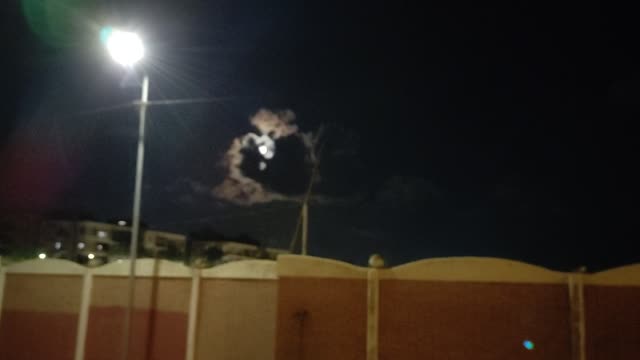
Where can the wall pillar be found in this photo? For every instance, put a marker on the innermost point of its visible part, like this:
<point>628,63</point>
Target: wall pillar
<point>373,303</point>
<point>193,315</point>
<point>2,277</point>
<point>577,316</point>
<point>83,316</point>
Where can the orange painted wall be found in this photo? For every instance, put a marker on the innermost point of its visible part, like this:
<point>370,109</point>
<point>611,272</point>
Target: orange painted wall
<point>159,322</point>
<point>459,321</point>
<point>35,335</point>
<point>157,334</point>
<point>39,317</point>
<point>321,319</point>
<point>313,318</point>
<point>236,319</point>
<point>612,322</point>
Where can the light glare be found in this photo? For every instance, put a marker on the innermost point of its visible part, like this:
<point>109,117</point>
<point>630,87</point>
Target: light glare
<point>42,256</point>
<point>125,47</point>
<point>528,344</point>
<point>91,256</point>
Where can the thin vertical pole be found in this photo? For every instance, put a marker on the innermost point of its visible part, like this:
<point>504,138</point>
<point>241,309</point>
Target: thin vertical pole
<point>83,318</point>
<point>135,226</point>
<point>193,314</point>
<point>2,277</point>
<point>577,316</point>
<point>581,319</point>
<point>305,211</point>
<point>373,310</point>
<point>305,227</point>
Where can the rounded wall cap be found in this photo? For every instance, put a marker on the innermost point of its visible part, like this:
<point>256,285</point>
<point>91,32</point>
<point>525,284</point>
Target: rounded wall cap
<point>376,261</point>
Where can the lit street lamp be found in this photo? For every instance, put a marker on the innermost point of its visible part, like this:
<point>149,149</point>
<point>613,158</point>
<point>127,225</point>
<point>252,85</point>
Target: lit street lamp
<point>126,49</point>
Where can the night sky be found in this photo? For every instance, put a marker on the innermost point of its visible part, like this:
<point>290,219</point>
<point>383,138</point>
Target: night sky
<point>448,130</point>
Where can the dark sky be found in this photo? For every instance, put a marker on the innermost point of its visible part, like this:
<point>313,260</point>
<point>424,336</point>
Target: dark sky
<point>458,129</point>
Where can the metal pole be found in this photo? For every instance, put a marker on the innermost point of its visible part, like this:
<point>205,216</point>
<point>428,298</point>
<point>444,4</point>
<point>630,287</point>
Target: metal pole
<point>193,314</point>
<point>2,281</point>
<point>135,225</point>
<point>83,316</point>
<point>303,218</point>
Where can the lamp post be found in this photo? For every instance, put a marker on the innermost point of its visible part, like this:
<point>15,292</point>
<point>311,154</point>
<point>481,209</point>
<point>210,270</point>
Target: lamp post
<point>126,48</point>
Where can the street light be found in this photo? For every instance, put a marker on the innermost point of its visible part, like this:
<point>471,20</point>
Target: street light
<point>126,48</point>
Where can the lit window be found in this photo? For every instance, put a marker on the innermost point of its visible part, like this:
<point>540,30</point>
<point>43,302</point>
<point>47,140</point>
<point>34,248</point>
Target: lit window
<point>102,234</point>
<point>57,245</point>
<point>122,223</point>
<point>99,247</point>
<point>80,245</point>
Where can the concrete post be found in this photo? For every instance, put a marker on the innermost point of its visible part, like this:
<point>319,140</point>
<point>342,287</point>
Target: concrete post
<point>83,317</point>
<point>577,316</point>
<point>2,277</point>
<point>373,305</point>
<point>193,315</point>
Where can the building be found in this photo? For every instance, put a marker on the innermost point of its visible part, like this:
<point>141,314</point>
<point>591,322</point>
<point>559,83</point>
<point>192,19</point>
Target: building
<point>233,251</point>
<point>165,244</point>
<point>57,239</point>
<point>86,242</point>
<point>218,250</point>
<point>95,243</point>
<point>19,233</point>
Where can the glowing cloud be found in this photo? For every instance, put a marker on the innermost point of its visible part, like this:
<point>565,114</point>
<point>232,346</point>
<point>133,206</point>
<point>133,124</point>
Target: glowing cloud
<point>243,190</point>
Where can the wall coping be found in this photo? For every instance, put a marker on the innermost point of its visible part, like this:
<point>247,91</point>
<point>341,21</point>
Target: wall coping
<point>628,275</point>
<point>474,269</point>
<point>46,267</point>
<point>458,269</point>
<point>310,266</point>
<point>243,269</point>
<point>145,268</point>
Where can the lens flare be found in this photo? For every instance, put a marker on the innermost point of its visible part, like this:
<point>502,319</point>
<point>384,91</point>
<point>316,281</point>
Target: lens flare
<point>57,23</point>
<point>105,32</point>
